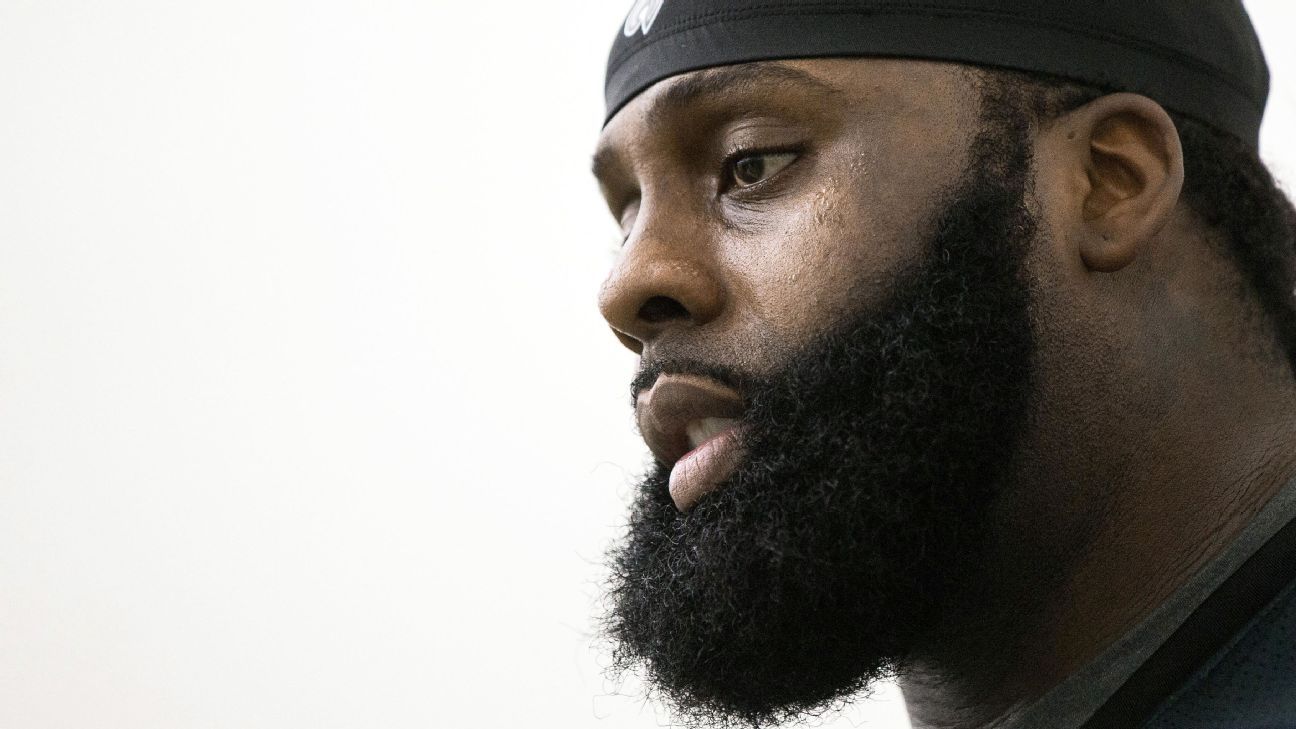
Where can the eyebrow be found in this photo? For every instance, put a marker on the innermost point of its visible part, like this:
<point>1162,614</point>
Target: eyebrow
<point>739,78</point>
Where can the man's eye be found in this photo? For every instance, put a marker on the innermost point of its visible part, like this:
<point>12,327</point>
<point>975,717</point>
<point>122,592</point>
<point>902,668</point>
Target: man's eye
<point>754,168</point>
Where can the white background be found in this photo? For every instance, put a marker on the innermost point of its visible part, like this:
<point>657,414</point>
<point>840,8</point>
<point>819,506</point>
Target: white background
<point>307,417</point>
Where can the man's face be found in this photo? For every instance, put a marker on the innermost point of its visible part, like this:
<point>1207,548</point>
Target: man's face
<point>822,277</point>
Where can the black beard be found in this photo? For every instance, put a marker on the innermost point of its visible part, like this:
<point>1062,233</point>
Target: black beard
<point>859,517</point>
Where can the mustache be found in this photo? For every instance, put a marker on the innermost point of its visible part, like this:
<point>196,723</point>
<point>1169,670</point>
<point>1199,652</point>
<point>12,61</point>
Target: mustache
<point>651,369</point>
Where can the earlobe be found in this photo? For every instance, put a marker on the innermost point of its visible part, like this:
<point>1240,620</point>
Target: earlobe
<point>1133,163</point>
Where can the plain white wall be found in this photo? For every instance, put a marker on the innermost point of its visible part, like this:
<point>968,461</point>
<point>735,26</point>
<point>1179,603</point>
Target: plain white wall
<point>307,418</point>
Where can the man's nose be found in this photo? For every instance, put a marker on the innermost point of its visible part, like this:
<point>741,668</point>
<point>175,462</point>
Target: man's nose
<point>661,282</point>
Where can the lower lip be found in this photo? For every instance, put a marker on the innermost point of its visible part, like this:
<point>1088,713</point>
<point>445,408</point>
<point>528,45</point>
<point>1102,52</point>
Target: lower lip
<point>702,469</point>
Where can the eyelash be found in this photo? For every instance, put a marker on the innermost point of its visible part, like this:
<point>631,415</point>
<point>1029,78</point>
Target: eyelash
<point>733,158</point>
<point>626,235</point>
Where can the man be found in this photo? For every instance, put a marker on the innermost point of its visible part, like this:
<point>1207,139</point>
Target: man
<point>966,331</point>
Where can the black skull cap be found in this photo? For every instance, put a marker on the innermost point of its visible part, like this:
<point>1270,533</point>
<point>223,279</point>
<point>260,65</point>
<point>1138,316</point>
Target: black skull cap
<point>1200,58</point>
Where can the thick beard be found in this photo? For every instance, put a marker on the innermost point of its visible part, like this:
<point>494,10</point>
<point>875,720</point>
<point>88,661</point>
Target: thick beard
<point>858,519</point>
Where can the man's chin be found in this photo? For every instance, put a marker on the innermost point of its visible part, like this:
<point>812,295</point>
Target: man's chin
<point>729,624</point>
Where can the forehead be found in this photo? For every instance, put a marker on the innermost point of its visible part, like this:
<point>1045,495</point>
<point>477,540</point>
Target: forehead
<point>804,87</point>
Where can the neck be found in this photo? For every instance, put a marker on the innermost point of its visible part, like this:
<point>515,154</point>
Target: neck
<point>1090,546</point>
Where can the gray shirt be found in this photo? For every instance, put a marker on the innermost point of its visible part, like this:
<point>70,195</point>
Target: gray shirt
<point>1221,652</point>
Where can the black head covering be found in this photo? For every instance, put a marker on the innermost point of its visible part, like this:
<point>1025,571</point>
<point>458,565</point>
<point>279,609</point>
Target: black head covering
<point>1197,57</point>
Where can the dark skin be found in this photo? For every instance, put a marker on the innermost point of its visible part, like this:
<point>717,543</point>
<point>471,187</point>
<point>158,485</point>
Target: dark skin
<point>1162,417</point>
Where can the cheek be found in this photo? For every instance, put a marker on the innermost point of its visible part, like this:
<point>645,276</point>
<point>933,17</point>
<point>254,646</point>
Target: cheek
<point>832,249</point>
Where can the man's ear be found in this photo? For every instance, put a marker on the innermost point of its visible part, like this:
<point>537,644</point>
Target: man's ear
<point>1123,151</point>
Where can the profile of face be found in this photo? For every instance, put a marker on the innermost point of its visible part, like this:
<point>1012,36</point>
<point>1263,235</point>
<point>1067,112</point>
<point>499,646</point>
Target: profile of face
<point>823,275</point>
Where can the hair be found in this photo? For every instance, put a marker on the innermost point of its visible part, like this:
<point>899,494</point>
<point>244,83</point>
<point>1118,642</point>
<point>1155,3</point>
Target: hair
<point>1226,187</point>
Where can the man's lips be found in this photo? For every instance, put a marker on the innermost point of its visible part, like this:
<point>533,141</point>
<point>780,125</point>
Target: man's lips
<point>689,423</point>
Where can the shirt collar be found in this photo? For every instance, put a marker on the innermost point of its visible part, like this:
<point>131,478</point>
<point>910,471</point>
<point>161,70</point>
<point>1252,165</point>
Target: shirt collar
<point>1131,677</point>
